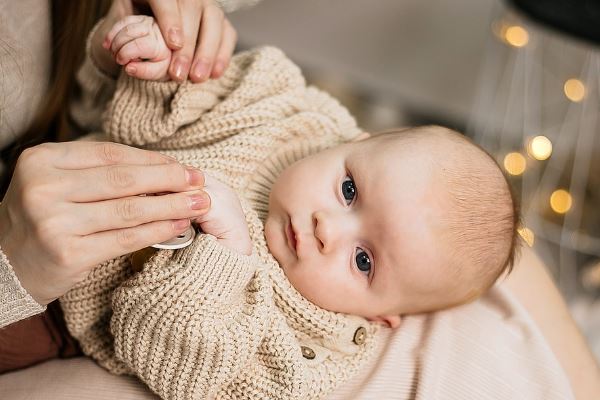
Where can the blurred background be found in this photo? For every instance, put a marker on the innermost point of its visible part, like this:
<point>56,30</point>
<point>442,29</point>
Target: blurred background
<point>520,77</point>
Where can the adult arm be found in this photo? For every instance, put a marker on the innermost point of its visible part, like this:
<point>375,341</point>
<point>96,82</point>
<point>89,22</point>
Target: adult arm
<point>533,286</point>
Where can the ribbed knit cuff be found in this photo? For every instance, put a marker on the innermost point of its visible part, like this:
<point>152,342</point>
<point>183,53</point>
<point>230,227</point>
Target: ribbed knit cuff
<point>94,79</point>
<point>15,303</point>
<point>91,67</point>
<point>224,270</point>
<point>140,111</point>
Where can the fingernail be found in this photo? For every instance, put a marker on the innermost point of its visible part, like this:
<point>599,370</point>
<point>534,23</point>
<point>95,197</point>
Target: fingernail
<point>181,224</point>
<point>178,68</point>
<point>199,201</point>
<point>130,69</point>
<point>175,37</point>
<point>201,70</point>
<point>194,177</point>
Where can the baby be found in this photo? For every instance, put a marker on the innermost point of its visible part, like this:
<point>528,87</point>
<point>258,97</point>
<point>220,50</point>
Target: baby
<point>333,227</point>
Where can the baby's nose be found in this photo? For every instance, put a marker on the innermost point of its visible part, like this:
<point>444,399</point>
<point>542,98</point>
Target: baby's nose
<point>330,230</point>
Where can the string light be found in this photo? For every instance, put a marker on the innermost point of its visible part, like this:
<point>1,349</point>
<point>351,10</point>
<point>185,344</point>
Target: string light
<point>515,163</point>
<point>561,201</point>
<point>527,235</point>
<point>574,90</point>
<point>539,147</point>
<point>516,36</point>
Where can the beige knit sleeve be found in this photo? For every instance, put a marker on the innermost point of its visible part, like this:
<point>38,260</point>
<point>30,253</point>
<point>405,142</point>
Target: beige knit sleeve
<point>259,87</point>
<point>191,320</point>
<point>94,90</point>
<point>15,303</point>
<point>87,311</point>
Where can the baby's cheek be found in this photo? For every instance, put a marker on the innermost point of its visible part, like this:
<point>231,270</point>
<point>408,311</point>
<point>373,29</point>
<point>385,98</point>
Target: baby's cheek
<point>326,291</point>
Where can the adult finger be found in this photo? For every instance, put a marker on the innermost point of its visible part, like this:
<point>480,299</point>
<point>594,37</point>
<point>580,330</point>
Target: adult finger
<point>228,41</point>
<point>81,154</point>
<point>182,59</point>
<point>209,40</point>
<point>168,16</point>
<point>88,218</point>
<point>154,71</point>
<point>98,247</point>
<point>117,181</point>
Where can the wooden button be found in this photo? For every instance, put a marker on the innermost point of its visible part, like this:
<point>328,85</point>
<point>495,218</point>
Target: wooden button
<point>308,353</point>
<point>360,335</point>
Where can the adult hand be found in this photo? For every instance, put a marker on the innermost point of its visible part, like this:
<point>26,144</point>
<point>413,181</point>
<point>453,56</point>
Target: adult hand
<point>73,205</point>
<point>201,37</point>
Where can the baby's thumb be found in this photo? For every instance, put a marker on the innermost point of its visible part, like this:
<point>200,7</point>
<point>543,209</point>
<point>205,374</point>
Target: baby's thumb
<point>147,70</point>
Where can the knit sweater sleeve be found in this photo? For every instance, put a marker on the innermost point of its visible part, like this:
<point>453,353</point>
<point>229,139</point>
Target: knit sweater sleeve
<point>94,89</point>
<point>191,320</point>
<point>259,87</point>
<point>15,303</point>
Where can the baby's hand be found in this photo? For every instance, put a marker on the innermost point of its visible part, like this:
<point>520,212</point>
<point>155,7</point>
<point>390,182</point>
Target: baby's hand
<point>137,43</point>
<point>225,220</point>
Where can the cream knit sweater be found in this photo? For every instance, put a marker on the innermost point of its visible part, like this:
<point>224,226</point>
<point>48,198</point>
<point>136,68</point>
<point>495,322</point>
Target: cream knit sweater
<point>205,321</point>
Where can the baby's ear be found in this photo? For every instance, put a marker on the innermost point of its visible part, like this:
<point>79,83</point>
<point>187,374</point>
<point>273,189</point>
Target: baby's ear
<point>391,321</point>
<point>362,136</point>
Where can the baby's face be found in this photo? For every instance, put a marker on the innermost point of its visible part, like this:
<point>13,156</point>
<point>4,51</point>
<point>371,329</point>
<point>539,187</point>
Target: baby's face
<point>351,227</point>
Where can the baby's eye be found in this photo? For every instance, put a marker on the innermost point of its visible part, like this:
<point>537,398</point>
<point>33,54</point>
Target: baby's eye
<point>348,190</point>
<point>363,262</point>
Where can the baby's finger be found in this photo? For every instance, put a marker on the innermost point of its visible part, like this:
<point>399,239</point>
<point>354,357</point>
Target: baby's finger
<point>138,49</point>
<point>228,41</point>
<point>209,39</point>
<point>131,19</point>
<point>148,70</point>
<point>131,32</point>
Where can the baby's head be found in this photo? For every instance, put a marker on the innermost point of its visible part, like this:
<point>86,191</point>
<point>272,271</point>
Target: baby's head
<point>403,222</point>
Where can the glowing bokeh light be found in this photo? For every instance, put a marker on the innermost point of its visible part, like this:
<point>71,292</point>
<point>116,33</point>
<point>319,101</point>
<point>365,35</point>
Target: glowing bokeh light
<point>527,235</point>
<point>515,163</point>
<point>561,201</point>
<point>574,90</point>
<point>516,36</point>
<point>539,147</point>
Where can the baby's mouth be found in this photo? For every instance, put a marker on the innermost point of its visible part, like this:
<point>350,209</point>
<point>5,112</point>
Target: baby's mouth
<point>291,236</point>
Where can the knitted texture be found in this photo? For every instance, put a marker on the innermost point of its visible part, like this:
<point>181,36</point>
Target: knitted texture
<point>15,303</point>
<point>205,321</point>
